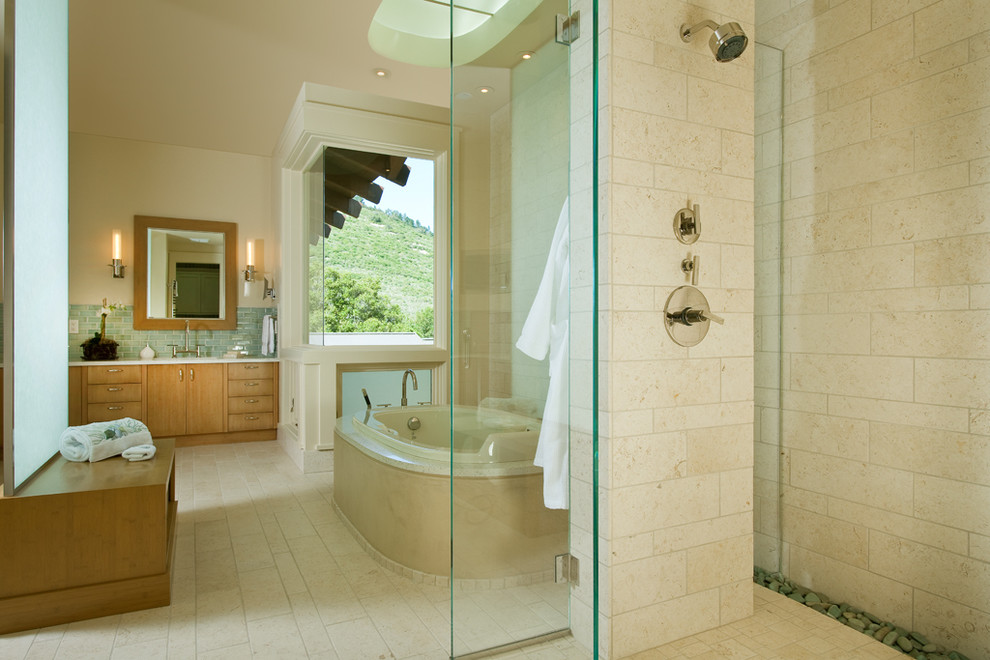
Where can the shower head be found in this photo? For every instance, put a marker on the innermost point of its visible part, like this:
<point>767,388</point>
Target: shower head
<point>728,40</point>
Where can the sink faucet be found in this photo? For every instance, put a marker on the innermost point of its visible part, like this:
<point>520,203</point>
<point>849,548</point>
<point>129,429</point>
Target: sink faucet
<point>407,372</point>
<point>186,350</point>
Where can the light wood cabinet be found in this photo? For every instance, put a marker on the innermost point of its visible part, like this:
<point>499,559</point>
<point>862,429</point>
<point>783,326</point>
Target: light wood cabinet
<point>185,399</point>
<point>113,392</point>
<point>251,388</point>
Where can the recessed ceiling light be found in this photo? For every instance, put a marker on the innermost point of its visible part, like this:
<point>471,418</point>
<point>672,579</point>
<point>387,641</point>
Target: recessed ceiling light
<point>486,89</point>
<point>526,55</point>
<point>382,73</point>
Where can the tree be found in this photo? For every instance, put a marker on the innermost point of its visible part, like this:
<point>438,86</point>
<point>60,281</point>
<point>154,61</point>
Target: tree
<point>423,324</point>
<point>355,303</point>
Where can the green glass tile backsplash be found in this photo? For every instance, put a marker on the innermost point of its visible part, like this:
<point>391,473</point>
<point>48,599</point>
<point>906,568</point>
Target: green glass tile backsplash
<point>246,339</point>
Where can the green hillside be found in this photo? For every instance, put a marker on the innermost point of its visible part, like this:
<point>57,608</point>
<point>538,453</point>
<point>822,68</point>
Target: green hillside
<point>385,245</point>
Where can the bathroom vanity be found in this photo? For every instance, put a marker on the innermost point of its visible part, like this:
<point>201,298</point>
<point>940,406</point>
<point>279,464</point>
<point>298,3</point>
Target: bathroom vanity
<point>201,401</point>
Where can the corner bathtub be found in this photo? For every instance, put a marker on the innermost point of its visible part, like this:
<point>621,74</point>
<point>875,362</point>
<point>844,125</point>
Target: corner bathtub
<point>393,486</point>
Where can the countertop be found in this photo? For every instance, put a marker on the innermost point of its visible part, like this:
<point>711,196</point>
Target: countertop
<point>169,360</point>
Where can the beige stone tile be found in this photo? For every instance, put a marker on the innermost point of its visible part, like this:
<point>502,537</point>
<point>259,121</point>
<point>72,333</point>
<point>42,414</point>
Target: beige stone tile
<point>737,379</point>
<point>648,581</point>
<point>803,499</point>
<point>357,639</point>
<point>917,299</point>
<point>713,182</point>
<point>719,106</point>
<point>826,434</point>
<point>650,89</point>
<point>883,487</point>
<point>962,212</point>
<point>929,99</point>
<point>953,382</point>
<point>947,454</point>
<point>712,450</point>
<point>735,603</point>
<point>638,509</point>
<point>642,136</point>
<point>908,527</point>
<point>716,564</point>
<point>954,503</point>
<point>827,232</point>
<point>871,160</point>
<point>937,25</point>
<point>837,539</point>
<point>702,415</point>
<point>734,338</point>
<point>648,627</point>
<point>944,142</point>
<point>903,187</point>
<point>885,11</point>
<point>841,582</point>
<point>665,383</point>
<point>845,334</point>
<point>923,334</point>
<point>638,259</point>
<point>649,458</point>
<point>938,572</point>
<point>960,627</point>
<point>631,173</point>
<point>627,46</point>
<point>853,375</point>
<point>979,296</point>
<point>886,267</point>
<point>979,547</point>
<point>642,336</point>
<point>827,130</point>
<point>738,157</point>
<point>970,255</point>
<point>916,414</point>
<point>736,491</point>
<point>682,537</point>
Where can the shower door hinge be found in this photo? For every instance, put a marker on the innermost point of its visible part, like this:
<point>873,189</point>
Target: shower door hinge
<point>568,28</point>
<point>566,569</point>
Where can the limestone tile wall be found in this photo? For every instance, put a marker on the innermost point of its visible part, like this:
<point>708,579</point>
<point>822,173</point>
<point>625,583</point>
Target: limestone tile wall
<point>677,459</point>
<point>886,479</point>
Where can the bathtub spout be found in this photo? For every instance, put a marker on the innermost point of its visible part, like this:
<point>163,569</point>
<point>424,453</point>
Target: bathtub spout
<point>408,372</point>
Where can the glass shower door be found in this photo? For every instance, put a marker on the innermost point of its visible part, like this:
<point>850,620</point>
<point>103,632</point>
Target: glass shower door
<point>511,235</point>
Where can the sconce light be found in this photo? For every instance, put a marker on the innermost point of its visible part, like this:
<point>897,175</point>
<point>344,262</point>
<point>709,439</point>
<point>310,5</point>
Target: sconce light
<point>115,261</point>
<point>250,271</point>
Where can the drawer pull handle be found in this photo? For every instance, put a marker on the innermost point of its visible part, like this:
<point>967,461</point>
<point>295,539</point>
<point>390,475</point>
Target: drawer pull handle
<point>114,389</point>
<point>252,384</point>
<point>251,417</point>
<point>251,401</point>
<point>250,366</point>
<point>114,371</point>
<point>115,407</point>
<point>180,375</point>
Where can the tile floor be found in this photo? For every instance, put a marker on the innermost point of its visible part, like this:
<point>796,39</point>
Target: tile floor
<point>264,568</point>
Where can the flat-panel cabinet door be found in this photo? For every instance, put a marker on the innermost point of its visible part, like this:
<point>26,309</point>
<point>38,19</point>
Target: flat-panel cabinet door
<point>205,398</point>
<point>167,400</point>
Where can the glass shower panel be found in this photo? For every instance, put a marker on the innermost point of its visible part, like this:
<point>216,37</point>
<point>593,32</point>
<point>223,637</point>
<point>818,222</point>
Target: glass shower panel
<point>769,292</point>
<point>511,306</point>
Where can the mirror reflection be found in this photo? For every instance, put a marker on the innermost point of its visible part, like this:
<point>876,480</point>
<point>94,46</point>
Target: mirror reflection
<point>184,270</point>
<point>184,274</point>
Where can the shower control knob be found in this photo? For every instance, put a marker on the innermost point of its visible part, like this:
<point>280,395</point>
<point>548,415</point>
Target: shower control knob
<point>687,316</point>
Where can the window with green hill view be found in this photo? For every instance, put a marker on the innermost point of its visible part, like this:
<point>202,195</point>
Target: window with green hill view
<point>375,275</point>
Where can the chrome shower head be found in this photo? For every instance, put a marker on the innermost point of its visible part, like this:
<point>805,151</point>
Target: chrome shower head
<point>728,40</point>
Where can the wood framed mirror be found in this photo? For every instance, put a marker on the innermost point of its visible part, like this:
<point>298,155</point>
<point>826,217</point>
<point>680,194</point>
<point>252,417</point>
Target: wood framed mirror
<point>184,270</point>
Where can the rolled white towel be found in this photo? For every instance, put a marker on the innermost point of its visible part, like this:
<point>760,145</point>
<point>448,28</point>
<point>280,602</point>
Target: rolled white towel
<point>100,440</point>
<point>139,453</point>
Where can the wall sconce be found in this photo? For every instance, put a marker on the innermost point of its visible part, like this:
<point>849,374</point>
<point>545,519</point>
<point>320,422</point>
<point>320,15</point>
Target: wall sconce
<point>250,271</point>
<point>115,261</point>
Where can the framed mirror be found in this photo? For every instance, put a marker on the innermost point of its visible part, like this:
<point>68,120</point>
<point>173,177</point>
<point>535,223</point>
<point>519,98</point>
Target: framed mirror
<point>184,270</point>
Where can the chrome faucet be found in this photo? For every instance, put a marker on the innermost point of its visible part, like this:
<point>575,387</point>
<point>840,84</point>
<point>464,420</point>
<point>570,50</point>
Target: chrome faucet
<point>186,350</point>
<point>408,372</point>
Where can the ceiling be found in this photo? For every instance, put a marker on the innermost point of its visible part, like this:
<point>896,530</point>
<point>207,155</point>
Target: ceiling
<point>223,74</point>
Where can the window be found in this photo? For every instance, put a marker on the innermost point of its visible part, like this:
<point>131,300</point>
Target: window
<point>372,251</point>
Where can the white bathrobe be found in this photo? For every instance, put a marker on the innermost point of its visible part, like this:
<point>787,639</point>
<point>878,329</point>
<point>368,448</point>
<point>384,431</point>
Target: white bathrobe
<point>546,329</point>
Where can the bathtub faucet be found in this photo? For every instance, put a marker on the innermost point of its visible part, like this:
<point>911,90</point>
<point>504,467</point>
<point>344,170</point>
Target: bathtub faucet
<point>407,372</point>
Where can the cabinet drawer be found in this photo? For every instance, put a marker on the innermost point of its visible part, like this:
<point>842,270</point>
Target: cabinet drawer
<point>250,421</point>
<point>250,370</point>
<point>250,388</point>
<point>249,404</point>
<point>114,374</point>
<point>113,393</point>
<point>104,412</point>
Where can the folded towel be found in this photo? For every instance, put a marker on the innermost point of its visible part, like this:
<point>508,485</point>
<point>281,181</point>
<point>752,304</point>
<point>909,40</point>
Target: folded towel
<point>139,453</point>
<point>100,440</point>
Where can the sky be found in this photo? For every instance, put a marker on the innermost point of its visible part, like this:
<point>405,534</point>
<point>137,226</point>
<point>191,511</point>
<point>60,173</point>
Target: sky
<point>415,199</point>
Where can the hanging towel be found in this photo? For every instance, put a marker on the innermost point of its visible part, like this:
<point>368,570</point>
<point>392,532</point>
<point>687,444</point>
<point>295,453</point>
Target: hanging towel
<point>546,330</point>
<point>100,440</point>
<point>139,453</point>
<point>268,332</point>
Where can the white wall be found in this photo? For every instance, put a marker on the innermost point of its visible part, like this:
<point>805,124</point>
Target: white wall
<point>111,180</point>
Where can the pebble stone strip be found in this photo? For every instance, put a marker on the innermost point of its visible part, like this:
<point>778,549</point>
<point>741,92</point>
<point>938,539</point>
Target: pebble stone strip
<point>913,644</point>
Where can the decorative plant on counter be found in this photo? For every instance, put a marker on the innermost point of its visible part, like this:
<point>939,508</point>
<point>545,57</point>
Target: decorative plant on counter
<point>99,346</point>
